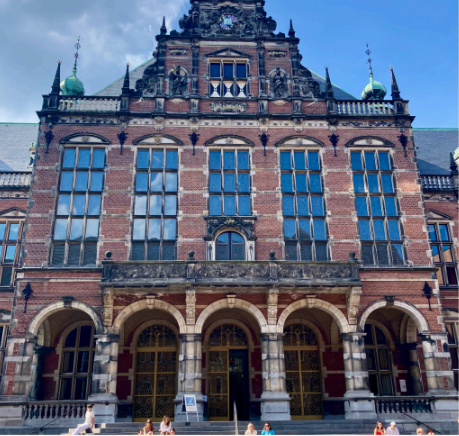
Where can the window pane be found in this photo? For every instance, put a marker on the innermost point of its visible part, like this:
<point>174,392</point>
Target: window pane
<point>306,252</point>
<point>98,159</point>
<point>76,229</point>
<point>315,183</point>
<point>69,158</point>
<point>302,205</point>
<point>215,205</point>
<point>74,255</point>
<point>7,273</point>
<point>230,182</point>
<point>394,230</point>
<point>138,231</point>
<point>370,161</point>
<point>244,205</point>
<point>380,231</point>
<point>222,248</point>
<point>317,206</point>
<point>364,230</point>
<point>157,159</point>
<point>84,158</point>
<point>243,160</point>
<point>82,181</point>
<point>228,71</point>
<point>140,205</point>
<point>157,181</point>
<point>10,254</point>
<point>300,161</point>
<point>83,361</point>
<point>170,205</point>
<point>229,160</point>
<point>238,252</point>
<point>319,229</point>
<point>230,205</point>
<point>447,254</point>
<point>321,253</point>
<point>67,361</point>
<point>376,207</point>
<point>79,203</point>
<point>66,181</point>
<point>215,182</point>
<point>287,206</point>
<point>168,252</point>
<point>300,180</point>
<point>388,186</point>
<point>289,229</point>
<point>384,162</point>
<point>171,160</point>
<point>397,254</point>
<point>80,388</point>
<point>171,182</point>
<point>304,228</point>
<point>155,205</point>
<point>92,229</point>
<point>154,229</point>
<point>444,234</point>
<point>170,226</point>
<point>60,229</point>
<point>373,185</point>
<point>243,183</point>
<point>63,208</point>
<point>432,233</point>
<point>367,255</point>
<point>371,363</point>
<point>291,252</point>
<point>362,208</point>
<point>3,227</point>
<point>391,208</point>
<point>439,274</point>
<point>97,180</point>
<point>215,160</point>
<point>241,71</point>
<point>436,253</point>
<point>313,161</point>
<point>356,161</point>
<point>359,185</point>
<point>383,359</point>
<point>287,184</point>
<point>66,389</point>
<point>215,70</point>
<point>452,275</point>
<point>152,252</point>
<point>143,157</point>
<point>285,160</point>
<point>85,336</point>
<point>14,232</point>
<point>383,257</point>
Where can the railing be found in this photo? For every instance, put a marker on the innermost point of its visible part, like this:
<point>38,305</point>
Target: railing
<point>356,107</point>
<point>236,429</point>
<point>437,182</point>
<point>10,179</point>
<point>89,105</point>
<point>51,410</point>
<point>391,405</point>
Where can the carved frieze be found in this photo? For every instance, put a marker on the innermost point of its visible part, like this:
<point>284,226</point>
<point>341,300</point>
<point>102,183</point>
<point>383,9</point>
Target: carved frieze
<point>273,296</point>
<point>319,272</point>
<point>246,226</point>
<point>190,306</point>
<point>221,271</point>
<point>228,106</point>
<point>133,272</point>
<point>277,53</point>
<point>177,51</point>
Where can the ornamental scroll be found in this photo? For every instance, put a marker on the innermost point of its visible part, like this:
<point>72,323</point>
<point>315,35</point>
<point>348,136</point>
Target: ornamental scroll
<point>229,107</point>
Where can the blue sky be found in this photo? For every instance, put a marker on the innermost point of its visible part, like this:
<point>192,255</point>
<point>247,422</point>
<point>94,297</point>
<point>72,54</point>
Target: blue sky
<point>418,37</point>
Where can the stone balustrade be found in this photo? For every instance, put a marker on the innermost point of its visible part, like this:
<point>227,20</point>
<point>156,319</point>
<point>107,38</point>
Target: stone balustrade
<point>437,182</point>
<point>39,411</point>
<point>9,179</point>
<point>359,107</point>
<point>396,405</point>
<point>88,104</point>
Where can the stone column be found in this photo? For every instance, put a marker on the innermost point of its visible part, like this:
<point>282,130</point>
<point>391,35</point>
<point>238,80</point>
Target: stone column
<point>105,368</point>
<point>189,377</point>
<point>275,401</point>
<point>37,371</point>
<point>359,403</point>
<point>414,381</point>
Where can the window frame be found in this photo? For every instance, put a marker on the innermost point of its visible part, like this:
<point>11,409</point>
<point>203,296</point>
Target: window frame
<point>8,267</point>
<point>454,348</point>
<point>228,87</point>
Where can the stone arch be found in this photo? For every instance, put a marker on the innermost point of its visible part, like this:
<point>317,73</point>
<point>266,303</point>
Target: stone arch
<point>421,323</point>
<point>86,138</point>
<point>146,324</point>
<point>316,330</point>
<point>314,303</point>
<point>236,304</point>
<point>157,139</point>
<point>368,140</point>
<point>214,325</point>
<point>44,313</point>
<point>299,140</point>
<point>229,140</point>
<point>389,335</point>
<point>148,304</point>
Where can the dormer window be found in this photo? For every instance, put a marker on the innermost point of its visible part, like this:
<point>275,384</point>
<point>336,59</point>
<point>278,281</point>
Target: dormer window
<point>228,78</point>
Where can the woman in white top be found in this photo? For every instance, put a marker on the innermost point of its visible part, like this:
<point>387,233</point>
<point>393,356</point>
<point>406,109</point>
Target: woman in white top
<point>251,430</point>
<point>88,422</point>
<point>166,426</point>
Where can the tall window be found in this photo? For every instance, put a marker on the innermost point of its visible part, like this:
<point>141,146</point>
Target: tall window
<point>228,78</point>
<point>76,229</point>
<point>378,361</point>
<point>453,342</point>
<point>76,365</point>
<point>154,232</point>
<point>443,254</point>
<point>3,336</point>
<point>303,206</point>
<point>230,246</point>
<point>377,210</point>
<point>10,237</point>
<point>229,183</point>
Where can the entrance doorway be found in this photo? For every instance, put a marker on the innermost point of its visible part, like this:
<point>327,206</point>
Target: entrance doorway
<point>228,380</point>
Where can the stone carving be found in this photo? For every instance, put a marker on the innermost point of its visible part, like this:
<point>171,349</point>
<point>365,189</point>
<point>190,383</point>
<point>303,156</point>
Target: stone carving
<point>273,296</point>
<point>221,271</point>
<point>178,81</point>
<point>277,53</point>
<point>108,299</point>
<point>353,302</point>
<point>320,272</point>
<point>121,272</point>
<point>308,87</point>
<point>190,306</point>
<point>178,51</point>
<point>149,84</point>
<point>228,107</point>
<point>231,300</point>
<point>279,84</point>
<point>245,226</point>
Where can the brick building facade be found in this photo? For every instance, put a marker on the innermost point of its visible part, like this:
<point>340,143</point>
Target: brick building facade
<point>225,223</point>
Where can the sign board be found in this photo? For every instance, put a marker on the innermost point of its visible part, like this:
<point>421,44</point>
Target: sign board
<point>190,403</point>
<point>403,386</point>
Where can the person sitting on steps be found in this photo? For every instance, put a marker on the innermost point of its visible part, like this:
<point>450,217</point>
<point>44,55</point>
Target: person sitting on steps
<point>148,429</point>
<point>88,422</point>
<point>166,426</point>
<point>251,430</point>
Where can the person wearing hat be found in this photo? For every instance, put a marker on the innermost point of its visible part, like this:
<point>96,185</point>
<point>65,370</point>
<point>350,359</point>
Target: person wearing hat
<point>392,429</point>
<point>88,422</point>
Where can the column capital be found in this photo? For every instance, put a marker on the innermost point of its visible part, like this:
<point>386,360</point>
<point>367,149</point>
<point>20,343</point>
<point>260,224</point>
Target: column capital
<point>190,337</point>
<point>351,335</point>
<point>109,337</point>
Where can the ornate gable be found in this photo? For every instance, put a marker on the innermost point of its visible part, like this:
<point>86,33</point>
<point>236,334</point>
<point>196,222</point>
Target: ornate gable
<point>228,53</point>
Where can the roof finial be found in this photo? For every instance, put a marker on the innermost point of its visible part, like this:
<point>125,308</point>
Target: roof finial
<point>329,93</point>
<point>394,85</point>
<point>56,88</point>
<point>368,52</point>
<point>291,32</point>
<point>77,46</point>
<point>126,86</point>
<point>163,27</point>
<point>72,85</point>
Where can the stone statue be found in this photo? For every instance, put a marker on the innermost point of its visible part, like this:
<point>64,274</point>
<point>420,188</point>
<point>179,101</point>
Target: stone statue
<point>178,81</point>
<point>279,83</point>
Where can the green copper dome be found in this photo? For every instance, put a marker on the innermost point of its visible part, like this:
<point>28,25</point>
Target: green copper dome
<point>374,90</point>
<point>72,85</point>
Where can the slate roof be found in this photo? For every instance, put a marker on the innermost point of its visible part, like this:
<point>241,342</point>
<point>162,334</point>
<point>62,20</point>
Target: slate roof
<point>114,89</point>
<point>433,147</point>
<point>15,142</point>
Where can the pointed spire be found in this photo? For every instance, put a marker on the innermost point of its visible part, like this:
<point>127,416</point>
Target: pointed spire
<point>329,93</point>
<point>394,85</point>
<point>72,85</point>
<point>453,164</point>
<point>126,86</point>
<point>56,88</point>
<point>373,90</point>
<point>368,52</point>
<point>163,27</point>
<point>291,32</point>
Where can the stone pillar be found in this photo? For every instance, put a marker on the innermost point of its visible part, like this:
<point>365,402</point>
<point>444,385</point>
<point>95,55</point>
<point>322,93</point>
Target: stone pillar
<point>105,368</point>
<point>414,382</point>
<point>37,371</point>
<point>275,401</point>
<point>359,403</point>
<point>189,376</point>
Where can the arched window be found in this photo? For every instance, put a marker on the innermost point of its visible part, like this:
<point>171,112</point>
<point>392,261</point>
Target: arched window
<point>378,361</point>
<point>230,246</point>
<point>76,367</point>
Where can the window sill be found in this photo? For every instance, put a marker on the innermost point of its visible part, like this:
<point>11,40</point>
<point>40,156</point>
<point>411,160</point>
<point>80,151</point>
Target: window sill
<point>6,289</point>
